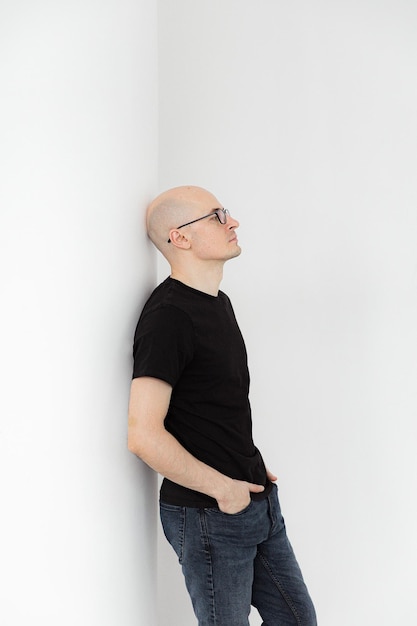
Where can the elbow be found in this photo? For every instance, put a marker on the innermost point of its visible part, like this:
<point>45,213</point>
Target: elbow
<point>131,444</point>
<point>135,444</point>
<point>142,441</point>
<point>133,438</point>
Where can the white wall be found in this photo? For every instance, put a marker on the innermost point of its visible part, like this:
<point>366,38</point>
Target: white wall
<point>300,117</point>
<point>78,118</point>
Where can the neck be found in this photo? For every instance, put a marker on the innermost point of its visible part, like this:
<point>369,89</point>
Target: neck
<point>208,282</point>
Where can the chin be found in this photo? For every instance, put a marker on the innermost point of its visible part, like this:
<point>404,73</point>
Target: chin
<point>236,252</point>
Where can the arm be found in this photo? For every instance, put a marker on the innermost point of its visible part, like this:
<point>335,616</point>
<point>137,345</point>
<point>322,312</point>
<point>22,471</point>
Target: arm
<point>149,440</point>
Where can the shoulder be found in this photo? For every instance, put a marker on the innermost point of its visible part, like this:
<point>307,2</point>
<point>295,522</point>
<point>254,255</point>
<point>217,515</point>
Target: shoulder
<point>164,342</point>
<point>166,303</point>
<point>164,319</point>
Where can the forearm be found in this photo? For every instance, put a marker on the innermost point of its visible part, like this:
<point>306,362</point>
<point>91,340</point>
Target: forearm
<point>149,440</point>
<point>163,453</point>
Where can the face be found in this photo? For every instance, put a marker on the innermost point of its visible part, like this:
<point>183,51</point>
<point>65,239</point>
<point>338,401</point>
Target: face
<point>211,240</point>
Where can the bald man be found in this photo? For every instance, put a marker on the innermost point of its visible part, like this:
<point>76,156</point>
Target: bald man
<point>190,420</point>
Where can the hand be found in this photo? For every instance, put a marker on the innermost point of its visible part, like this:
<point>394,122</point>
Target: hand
<point>237,496</point>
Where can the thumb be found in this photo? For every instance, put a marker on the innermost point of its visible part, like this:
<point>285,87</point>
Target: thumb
<point>271,476</point>
<point>255,488</point>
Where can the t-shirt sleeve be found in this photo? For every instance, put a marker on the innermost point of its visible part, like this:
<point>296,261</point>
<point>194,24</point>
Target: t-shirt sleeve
<point>163,344</point>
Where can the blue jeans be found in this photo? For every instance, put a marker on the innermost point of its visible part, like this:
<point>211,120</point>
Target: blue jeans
<point>232,561</point>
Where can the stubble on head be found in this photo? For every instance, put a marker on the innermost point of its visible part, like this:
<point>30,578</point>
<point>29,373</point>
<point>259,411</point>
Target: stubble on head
<point>173,207</point>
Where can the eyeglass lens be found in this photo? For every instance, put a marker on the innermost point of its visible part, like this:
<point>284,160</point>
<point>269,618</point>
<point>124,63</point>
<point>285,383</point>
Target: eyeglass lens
<point>222,215</point>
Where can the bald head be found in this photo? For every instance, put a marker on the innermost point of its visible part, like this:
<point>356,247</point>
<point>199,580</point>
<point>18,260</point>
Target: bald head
<point>174,207</point>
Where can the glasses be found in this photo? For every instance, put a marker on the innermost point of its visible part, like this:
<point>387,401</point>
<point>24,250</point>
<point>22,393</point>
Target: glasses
<point>221,215</point>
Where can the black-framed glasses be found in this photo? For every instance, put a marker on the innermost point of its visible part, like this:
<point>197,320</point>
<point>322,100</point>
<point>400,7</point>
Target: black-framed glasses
<point>221,215</point>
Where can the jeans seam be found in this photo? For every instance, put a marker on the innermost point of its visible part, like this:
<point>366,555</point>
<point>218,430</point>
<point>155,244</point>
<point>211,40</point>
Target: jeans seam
<point>181,534</point>
<point>206,548</point>
<point>280,588</point>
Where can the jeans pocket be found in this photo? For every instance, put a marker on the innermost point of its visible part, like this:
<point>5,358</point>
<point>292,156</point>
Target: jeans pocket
<point>173,524</point>
<point>217,511</point>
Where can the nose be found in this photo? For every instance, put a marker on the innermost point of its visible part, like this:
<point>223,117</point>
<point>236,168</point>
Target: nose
<point>231,222</point>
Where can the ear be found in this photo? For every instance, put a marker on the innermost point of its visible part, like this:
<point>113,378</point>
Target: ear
<point>179,239</point>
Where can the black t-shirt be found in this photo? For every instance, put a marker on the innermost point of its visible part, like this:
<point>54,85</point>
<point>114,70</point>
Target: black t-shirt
<point>191,340</point>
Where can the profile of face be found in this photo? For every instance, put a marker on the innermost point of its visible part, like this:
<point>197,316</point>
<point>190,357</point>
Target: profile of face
<point>192,219</point>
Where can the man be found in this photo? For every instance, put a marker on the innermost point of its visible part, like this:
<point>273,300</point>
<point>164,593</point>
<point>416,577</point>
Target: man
<point>190,420</point>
